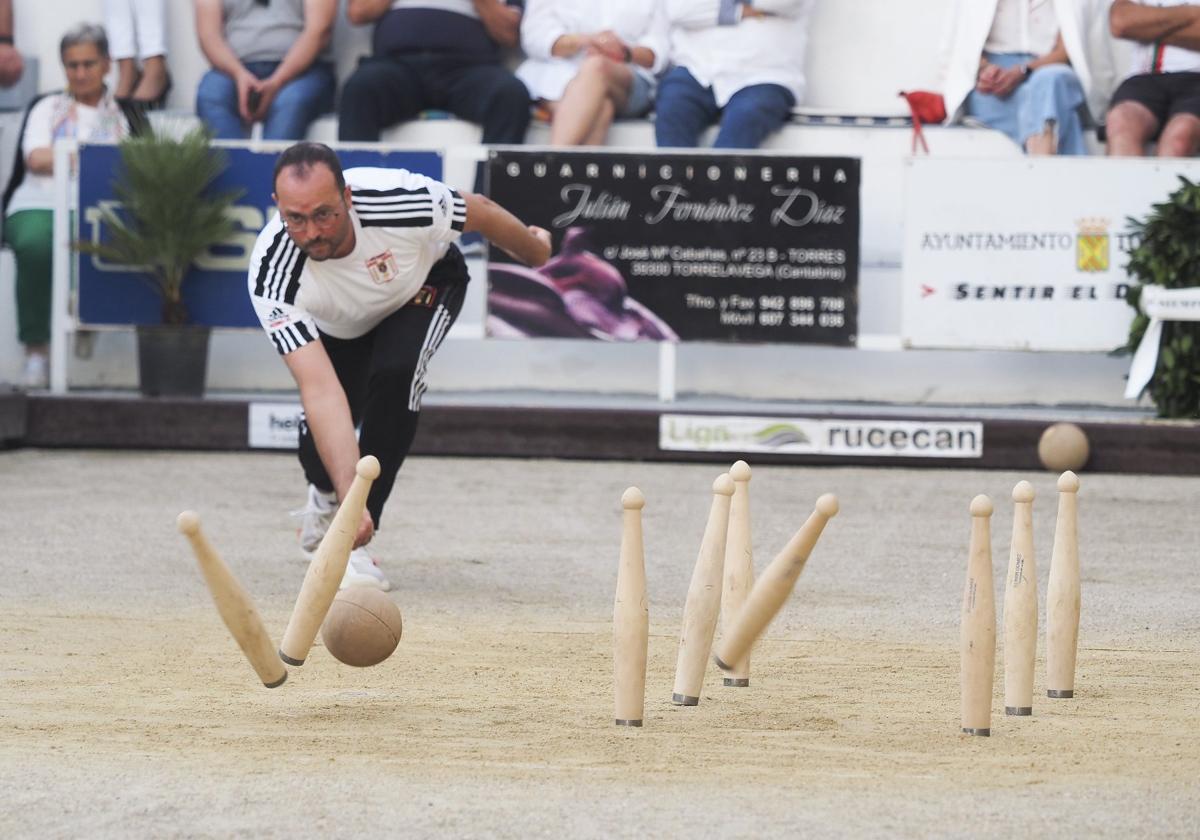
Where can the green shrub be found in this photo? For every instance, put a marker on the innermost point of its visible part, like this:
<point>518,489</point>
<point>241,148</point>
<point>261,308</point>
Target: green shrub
<point>169,214</point>
<point>1168,255</point>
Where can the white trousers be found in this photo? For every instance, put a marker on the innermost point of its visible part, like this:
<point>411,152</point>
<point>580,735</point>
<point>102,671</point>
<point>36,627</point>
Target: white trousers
<point>136,28</point>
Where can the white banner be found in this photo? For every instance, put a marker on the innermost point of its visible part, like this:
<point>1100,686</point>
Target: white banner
<point>274,425</point>
<point>811,436</point>
<point>1160,305</point>
<point>1025,253</point>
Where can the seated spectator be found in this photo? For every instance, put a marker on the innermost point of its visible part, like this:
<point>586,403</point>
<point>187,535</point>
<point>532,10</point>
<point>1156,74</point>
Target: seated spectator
<point>1015,66</point>
<point>270,62</point>
<point>1160,98</point>
<point>85,111</point>
<point>443,55</point>
<point>11,63</point>
<point>138,33</point>
<point>589,64</point>
<point>742,64</point>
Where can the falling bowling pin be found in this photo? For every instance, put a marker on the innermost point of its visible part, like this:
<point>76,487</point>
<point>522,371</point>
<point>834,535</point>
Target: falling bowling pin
<point>703,605</point>
<point>739,566</point>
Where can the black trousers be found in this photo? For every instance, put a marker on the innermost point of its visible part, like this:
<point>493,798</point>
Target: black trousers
<point>383,375</point>
<point>385,90</point>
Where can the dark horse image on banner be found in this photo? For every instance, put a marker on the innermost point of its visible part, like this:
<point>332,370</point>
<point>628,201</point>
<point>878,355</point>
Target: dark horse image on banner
<point>577,294</point>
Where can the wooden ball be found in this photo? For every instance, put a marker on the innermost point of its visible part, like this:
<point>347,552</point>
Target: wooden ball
<point>363,626</point>
<point>1063,446</point>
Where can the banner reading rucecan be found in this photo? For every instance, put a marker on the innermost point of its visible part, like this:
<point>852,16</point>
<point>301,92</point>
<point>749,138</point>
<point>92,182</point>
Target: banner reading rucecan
<point>680,247</point>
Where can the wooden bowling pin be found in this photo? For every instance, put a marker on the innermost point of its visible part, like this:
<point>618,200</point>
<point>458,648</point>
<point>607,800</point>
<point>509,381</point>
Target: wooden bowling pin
<point>1020,607</point>
<point>978,640</point>
<point>234,604</point>
<point>773,587</point>
<point>1062,594</point>
<point>327,568</point>
<point>703,605</point>
<point>739,565</point>
<point>631,616</point>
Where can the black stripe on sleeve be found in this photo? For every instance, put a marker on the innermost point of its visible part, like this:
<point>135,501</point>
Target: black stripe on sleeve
<point>293,286</point>
<point>268,261</point>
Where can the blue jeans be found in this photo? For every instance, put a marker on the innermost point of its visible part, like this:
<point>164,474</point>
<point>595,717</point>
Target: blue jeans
<point>1050,94</point>
<point>684,109</point>
<point>297,104</point>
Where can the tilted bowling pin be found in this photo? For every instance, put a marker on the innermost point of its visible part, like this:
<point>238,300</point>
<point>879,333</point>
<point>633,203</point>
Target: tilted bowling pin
<point>631,616</point>
<point>1020,607</point>
<point>978,640</point>
<point>703,604</point>
<point>739,565</point>
<point>1062,594</point>
<point>773,587</point>
<point>234,604</point>
<point>327,568</point>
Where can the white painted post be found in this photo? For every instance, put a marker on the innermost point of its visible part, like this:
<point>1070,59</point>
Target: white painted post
<point>62,322</point>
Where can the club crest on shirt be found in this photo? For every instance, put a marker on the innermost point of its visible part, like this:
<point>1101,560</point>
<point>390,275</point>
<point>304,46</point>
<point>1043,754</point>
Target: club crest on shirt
<point>425,296</point>
<point>383,267</point>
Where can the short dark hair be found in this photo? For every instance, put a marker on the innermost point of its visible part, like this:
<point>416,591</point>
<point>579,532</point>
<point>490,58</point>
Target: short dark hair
<point>304,156</point>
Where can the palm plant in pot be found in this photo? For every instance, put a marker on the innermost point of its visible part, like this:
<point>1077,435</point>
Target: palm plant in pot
<point>169,215</point>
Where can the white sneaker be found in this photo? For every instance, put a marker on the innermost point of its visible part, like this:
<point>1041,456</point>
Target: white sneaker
<point>36,375</point>
<point>362,570</point>
<point>316,517</point>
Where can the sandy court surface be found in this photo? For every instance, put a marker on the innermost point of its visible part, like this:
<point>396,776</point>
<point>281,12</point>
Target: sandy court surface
<point>125,708</point>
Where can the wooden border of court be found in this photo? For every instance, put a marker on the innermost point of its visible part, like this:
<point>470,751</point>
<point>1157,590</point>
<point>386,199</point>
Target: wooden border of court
<point>1148,447</point>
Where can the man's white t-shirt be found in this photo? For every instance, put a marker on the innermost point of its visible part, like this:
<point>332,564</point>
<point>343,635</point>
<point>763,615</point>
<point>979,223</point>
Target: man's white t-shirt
<point>1155,57</point>
<point>403,224</point>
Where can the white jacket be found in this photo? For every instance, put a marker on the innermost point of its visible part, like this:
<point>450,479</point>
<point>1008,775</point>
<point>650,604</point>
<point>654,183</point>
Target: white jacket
<point>1084,27</point>
<point>639,23</point>
<point>729,55</point>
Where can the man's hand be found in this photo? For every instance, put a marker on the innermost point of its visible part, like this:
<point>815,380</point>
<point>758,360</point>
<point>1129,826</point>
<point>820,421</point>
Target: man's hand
<point>610,45</point>
<point>267,89</point>
<point>246,82</point>
<point>543,237</point>
<point>366,530</point>
<point>997,81</point>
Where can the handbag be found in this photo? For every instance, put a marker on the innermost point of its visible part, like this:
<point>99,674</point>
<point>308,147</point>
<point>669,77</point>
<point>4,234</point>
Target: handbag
<point>925,107</point>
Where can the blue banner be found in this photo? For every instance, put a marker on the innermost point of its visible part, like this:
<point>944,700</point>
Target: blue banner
<point>215,290</point>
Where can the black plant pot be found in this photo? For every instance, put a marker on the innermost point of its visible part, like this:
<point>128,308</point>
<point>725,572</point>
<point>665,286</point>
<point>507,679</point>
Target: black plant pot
<point>172,360</point>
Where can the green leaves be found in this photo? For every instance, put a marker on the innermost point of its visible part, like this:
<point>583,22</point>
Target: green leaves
<point>169,214</point>
<point>1169,256</point>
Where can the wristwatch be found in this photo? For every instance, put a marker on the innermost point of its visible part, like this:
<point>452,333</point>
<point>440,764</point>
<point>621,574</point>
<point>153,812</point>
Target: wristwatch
<point>1026,72</point>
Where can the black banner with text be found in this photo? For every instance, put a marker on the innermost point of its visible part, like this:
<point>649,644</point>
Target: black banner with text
<point>680,247</point>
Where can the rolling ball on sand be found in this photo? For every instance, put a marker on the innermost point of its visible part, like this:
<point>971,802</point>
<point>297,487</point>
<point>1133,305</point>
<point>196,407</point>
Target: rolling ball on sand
<point>363,627</point>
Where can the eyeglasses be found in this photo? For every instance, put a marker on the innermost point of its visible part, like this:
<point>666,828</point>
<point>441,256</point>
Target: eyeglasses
<point>322,218</point>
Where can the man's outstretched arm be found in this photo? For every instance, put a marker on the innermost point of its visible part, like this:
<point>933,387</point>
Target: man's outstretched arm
<point>529,244</point>
<point>328,416</point>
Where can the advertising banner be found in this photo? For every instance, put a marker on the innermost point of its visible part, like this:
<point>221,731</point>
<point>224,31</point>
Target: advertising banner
<point>1025,253</point>
<point>215,291</point>
<point>680,247</point>
<point>818,436</point>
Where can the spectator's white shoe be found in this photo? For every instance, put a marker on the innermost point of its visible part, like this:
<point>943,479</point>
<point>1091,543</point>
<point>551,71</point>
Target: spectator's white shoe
<point>362,570</point>
<point>316,517</point>
<point>36,375</point>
